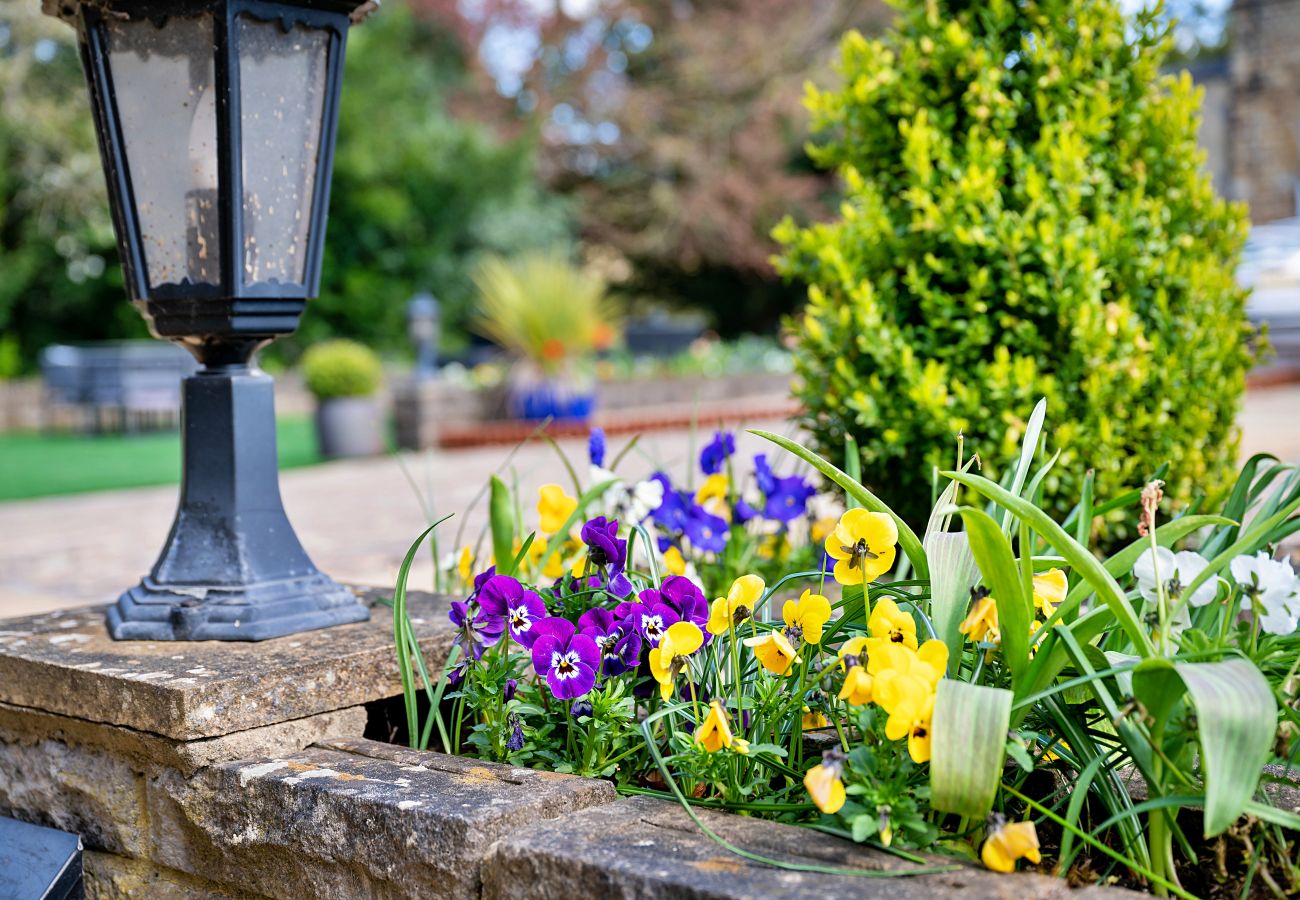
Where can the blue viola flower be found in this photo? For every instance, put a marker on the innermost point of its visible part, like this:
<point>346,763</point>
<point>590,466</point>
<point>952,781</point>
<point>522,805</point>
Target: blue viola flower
<point>674,509</point>
<point>596,447</point>
<point>504,598</point>
<point>707,532</point>
<point>516,740</point>
<point>716,453</point>
<point>743,512</point>
<point>581,708</point>
<point>566,659</point>
<point>788,499</point>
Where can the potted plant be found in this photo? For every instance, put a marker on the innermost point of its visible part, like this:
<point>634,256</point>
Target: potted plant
<point>344,376</point>
<point>552,316</point>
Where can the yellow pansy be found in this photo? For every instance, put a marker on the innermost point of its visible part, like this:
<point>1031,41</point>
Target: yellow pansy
<point>739,604</point>
<point>1008,842</point>
<point>823,782</point>
<point>926,663</point>
<point>891,623</point>
<point>774,651</point>
<point>674,562</point>
<point>1050,589</point>
<point>465,565</point>
<point>670,657</point>
<point>862,545</point>
<point>855,646</point>
<point>554,507</point>
<point>819,529</point>
<point>981,623</point>
<point>805,617</point>
<point>715,732</point>
<point>912,720</point>
<point>857,687</point>
<point>579,567</point>
<point>814,719</point>
<point>712,495</point>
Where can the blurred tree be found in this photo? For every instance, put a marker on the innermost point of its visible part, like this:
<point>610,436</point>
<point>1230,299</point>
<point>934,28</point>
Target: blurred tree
<point>61,278</point>
<point>678,125</point>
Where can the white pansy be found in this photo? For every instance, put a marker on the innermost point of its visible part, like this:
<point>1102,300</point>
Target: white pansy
<point>630,505</point>
<point>1273,589</point>
<point>1176,570</point>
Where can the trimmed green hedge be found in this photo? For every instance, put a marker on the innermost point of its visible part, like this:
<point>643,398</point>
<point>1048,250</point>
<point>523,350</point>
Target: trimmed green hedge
<point>1025,215</point>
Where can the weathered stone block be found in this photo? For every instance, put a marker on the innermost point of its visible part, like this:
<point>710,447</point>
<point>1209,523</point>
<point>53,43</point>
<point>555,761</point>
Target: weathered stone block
<point>110,877</point>
<point>352,819</point>
<point>94,793</point>
<point>644,848</point>
<point>64,662</point>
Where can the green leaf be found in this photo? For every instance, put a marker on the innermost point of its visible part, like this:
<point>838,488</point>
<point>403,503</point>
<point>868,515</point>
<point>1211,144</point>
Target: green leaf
<point>907,539</point>
<point>968,746</point>
<point>1001,574</point>
<point>852,464</point>
<point>1236,716</point>
<point>953,573</point>
<point>1028,450</point>
<point>502,522</point>
<point>1079,557</point>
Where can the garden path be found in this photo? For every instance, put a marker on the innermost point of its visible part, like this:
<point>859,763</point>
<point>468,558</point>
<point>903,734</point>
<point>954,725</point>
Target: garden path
<point>357,518</point>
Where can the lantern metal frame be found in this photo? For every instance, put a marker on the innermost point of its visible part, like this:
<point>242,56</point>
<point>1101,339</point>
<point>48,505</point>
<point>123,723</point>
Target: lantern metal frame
<point>232,567</point>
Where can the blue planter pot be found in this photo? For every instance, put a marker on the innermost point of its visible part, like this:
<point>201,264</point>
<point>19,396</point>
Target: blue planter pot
<point>557,401</point>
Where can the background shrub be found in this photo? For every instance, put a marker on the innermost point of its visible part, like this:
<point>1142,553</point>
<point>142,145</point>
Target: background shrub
<point>1025,216</point>
<point>341,369</point>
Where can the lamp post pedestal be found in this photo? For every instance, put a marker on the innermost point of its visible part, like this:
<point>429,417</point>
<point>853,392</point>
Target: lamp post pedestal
<point>232,568</point>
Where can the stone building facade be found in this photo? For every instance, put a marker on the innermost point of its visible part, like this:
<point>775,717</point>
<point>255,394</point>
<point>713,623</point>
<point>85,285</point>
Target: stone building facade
<point>1264,109</point>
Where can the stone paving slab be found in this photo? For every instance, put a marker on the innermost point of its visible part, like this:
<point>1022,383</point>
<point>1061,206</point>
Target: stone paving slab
<point>64,662</point>
<point>352,819</point>
<point>646,848</point>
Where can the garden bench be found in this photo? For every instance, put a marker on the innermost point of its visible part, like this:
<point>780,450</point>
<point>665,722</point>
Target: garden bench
<point>119,385</point>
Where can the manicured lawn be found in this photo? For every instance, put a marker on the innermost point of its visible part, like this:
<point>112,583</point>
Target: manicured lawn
<point>37,465</point>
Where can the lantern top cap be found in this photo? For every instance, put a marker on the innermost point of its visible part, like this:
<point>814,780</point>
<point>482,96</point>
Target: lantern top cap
<point>68,10</point>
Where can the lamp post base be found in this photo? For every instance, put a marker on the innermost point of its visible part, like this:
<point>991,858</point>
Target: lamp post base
<point>154,612</point>
<point>232,568</point>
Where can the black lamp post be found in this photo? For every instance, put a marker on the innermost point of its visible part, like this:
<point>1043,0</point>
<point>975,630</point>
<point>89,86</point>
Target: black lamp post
<point>423,328</point>
<point>216,123</point>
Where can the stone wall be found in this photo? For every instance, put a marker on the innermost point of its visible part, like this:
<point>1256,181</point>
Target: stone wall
<point>234,771</point>
<point>1265,108</point>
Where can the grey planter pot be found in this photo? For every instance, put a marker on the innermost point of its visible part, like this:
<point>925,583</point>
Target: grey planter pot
<point>348,426</point>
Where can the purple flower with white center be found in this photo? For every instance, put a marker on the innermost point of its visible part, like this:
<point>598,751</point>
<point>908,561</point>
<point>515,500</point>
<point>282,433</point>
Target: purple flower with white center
<point>716,452</point>
<point>568,660</point>
<point>596,447</point>
<point>707,532</point>
<point>788,499</point>
<point>618,640</point>
<point>504,598</point>
<point>650,620</point>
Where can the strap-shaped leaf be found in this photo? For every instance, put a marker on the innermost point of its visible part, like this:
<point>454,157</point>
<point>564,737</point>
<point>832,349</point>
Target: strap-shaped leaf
<point>502,521</point>
<point>968,746</point>
<point>908,542</point>
<point>1001,573</point>
<point>1236,719</point>
<point>952,574</point>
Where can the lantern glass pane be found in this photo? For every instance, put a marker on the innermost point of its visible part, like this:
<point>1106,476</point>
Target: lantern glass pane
<point>282,80</point>
<point>166,104</point>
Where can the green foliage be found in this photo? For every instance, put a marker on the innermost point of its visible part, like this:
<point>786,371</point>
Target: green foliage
<point>1025,216</point>
<point>418,194</point>
<point>341,368</point>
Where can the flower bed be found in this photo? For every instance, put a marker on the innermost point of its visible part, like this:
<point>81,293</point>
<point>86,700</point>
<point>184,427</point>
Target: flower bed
<point>985,688</point>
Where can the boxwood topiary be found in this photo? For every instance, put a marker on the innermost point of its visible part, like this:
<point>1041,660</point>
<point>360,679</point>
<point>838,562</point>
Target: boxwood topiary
<point>341,368</point>
<point>1025,215</point>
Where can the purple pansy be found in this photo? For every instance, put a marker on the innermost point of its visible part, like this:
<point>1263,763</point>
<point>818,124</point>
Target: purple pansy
<point>618,640</point>
<point>508,692</point>
<point>477,629</point>
<point>716,452</point>
<point>581,708</point>
<point>596,447</point>
<point>650,620</point>
<point>674,509</point>
<point>788,499</point>
<point>567,659</point>
<point>743,512</point>
<point>608,553</point>
<point>504,598</point>
<point>685,596</point>
<point>516,739</point>
<point>706,531</point>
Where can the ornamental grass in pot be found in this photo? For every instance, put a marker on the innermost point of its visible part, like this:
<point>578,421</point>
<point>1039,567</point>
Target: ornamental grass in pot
<point>344,377</point>
<point>552,317</point>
